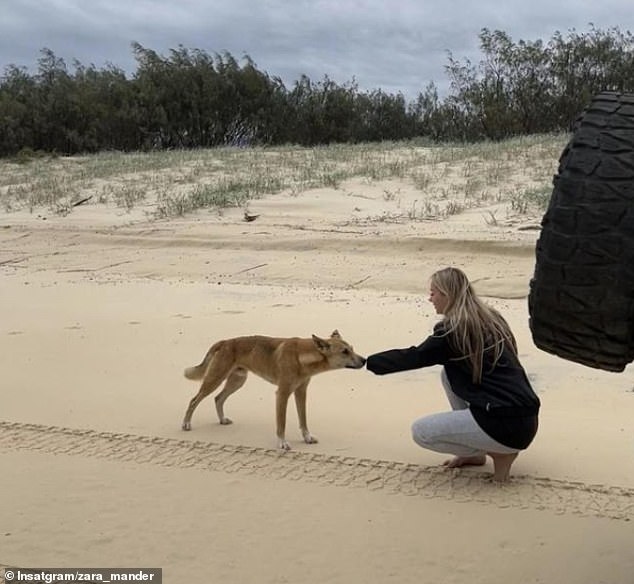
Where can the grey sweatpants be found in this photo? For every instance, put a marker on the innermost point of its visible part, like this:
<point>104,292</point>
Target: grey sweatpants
<point>455,432</point>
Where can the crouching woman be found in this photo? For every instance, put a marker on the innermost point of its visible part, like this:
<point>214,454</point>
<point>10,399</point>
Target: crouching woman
<point>494,408</point>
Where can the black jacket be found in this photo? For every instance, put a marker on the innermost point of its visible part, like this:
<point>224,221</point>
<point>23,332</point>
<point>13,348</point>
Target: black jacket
<point>503,403</point>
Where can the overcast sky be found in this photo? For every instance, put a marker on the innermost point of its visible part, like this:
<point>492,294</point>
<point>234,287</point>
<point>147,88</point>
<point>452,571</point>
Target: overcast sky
<point>394,45</point>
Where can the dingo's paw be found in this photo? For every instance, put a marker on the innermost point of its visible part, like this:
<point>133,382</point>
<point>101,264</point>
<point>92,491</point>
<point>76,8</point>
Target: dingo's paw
<point>283,444</point>
<point>309,438</point>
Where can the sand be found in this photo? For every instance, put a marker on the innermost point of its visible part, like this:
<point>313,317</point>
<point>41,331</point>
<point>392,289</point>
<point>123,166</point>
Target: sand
<point>102,310</point>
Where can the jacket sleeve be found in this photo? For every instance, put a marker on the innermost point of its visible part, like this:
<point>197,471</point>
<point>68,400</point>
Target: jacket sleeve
<point>432,351</point>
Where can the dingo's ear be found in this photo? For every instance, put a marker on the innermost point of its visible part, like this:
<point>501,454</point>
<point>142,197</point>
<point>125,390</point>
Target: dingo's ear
<point>335,334</point>
<point>321,344</point>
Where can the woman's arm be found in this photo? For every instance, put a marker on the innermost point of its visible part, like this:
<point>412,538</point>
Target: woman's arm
<point>433,351</point>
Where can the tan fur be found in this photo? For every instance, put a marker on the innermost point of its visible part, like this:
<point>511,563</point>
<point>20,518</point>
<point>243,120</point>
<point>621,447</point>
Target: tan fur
<point>288,363</point>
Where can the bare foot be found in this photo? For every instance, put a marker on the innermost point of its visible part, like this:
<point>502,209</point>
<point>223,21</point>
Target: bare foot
<point>458,461</point>
<point>502,465</point>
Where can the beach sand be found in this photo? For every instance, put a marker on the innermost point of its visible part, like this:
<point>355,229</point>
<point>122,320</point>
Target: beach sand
<point>101,312</point>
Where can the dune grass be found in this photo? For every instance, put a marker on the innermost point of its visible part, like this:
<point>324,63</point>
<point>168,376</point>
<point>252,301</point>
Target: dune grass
<point>450,177</point>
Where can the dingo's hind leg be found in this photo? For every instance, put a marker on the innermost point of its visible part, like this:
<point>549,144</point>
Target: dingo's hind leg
<point>234,382</point>
<point>214,376</point>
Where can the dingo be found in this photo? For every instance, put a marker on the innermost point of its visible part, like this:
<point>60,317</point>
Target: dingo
<point>287,363</point>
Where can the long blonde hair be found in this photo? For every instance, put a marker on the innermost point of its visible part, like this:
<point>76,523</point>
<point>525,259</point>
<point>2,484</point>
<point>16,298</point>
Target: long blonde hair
<point>472,326</point>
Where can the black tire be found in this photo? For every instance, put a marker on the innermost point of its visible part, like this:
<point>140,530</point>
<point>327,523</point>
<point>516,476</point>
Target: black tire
<point>581,298</point>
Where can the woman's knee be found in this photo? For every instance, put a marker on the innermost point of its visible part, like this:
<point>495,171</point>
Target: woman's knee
<point>448,432</point>
<point>434,429</point>
<point>421,434</point>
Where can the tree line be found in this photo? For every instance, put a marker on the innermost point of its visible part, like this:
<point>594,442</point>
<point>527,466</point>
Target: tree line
<point>191,98</point>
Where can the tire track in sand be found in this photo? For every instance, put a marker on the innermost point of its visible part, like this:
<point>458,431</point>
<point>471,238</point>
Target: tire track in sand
<point>523,492</point>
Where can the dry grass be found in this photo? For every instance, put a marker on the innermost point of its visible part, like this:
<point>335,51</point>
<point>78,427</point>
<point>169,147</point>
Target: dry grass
<point>450,178</point>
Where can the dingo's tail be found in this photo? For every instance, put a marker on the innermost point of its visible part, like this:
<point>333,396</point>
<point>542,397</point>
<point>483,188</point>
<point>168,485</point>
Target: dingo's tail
<point>198,371</point>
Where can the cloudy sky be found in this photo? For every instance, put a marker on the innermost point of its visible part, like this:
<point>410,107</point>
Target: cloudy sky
<point>395,45</point>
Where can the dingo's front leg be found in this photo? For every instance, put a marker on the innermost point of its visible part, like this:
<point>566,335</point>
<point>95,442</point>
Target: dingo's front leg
<point>281,400</point>
<point>300,402</point>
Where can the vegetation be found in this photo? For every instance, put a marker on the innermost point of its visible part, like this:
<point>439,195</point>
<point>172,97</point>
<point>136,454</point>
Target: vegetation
<point>192,99</point>
<point>514,175</point>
